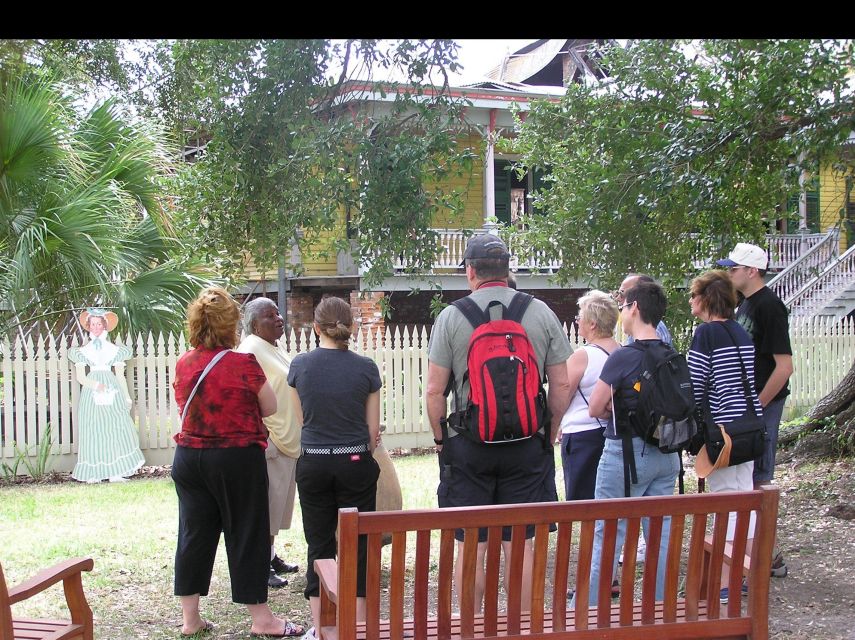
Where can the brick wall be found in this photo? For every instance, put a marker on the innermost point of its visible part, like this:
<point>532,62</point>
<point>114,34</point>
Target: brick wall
<point>410,310</point>
<point>300,310</point>
<point>366,309</point>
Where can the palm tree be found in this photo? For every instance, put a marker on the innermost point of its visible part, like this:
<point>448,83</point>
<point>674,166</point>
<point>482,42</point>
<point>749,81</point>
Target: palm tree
<point>82,220</point>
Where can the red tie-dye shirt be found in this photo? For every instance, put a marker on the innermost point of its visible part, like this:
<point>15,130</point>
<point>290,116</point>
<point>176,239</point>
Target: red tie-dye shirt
<point>225,411</point>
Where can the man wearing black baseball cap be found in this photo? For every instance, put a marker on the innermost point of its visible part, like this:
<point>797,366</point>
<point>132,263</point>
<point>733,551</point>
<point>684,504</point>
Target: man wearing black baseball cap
<point>479,473</point>
<point>485,245</point>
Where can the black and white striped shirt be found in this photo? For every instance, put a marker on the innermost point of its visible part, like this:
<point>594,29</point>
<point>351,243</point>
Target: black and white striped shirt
<point>714,361</point>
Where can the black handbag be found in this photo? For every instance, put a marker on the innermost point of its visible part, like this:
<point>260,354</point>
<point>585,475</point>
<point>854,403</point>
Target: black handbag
<point>747,432</point>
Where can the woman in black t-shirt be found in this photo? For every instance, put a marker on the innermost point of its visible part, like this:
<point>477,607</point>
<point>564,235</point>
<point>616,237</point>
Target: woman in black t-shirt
<point>337,395</point>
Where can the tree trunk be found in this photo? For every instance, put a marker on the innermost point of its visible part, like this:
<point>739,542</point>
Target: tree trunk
<point>836,401</point>
<point>839,403</point>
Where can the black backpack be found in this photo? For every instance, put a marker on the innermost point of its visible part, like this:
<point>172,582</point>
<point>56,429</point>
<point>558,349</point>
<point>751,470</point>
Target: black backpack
<point>664,413</point>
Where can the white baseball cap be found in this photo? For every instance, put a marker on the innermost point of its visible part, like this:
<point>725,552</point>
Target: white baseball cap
<point>745,255</point>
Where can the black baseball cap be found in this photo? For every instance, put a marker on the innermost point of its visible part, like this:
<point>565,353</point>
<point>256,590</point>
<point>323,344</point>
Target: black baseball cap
<point>485,245</point>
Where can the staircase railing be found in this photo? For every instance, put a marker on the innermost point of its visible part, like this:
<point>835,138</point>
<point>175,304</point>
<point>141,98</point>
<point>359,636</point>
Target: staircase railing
<point>827,286</point>
<point>807,267</point>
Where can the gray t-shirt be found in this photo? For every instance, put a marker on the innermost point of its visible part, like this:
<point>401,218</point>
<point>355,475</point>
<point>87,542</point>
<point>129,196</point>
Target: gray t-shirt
<point>333,385</point>
<point>449,339</point>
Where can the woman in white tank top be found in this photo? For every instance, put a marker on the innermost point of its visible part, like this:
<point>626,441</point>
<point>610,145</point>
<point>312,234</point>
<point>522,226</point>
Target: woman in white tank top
<point>581,435</point>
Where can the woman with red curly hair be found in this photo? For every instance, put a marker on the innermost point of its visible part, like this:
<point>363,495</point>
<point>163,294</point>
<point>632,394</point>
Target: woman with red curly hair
<point>219,469</point>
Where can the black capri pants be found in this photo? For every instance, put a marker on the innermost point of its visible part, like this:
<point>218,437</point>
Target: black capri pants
<point>327,483</point>
<point>222,490</point>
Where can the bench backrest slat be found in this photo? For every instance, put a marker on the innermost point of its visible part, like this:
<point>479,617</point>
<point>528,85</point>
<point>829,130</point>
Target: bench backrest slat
<point>694,566</point>
<point>372,584</point>
<point>734,584</point>
<point>651,568</point>
<point>714,573</point>
<point>445,572</point>
<point>607,561</point>
<point>627,580</point>
<point>423,560</point>
<point>348,535</point>
<point>396,585</point>
<point>561,575</point>
<point>516,575</point>
<point>538,581</point>
<point>583,574</point>
<point>491,593</point>
<point>672,568</point>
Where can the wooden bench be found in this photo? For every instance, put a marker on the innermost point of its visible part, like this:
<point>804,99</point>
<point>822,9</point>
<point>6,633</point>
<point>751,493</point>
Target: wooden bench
<point>409,587</point>
<point>69,573</point>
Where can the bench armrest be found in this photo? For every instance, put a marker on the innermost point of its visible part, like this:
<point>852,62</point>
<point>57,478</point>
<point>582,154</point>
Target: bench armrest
<point>728,553</point>
<point>327,571</point>
<point>48,577</point>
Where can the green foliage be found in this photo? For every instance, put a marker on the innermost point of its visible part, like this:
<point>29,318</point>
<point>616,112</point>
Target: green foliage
<point>82,220</point>
<point>36,463</point>
<point>294,152</point>
<point>707,137</point>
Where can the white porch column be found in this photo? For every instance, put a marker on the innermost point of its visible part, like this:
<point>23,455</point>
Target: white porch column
<point>489,172</point>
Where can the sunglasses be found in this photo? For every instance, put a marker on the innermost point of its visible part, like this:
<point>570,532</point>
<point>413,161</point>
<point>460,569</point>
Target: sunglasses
<point>625,304</point>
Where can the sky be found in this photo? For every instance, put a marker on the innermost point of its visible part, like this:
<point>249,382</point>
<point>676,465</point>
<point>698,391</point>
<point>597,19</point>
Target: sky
<point>479,56</point>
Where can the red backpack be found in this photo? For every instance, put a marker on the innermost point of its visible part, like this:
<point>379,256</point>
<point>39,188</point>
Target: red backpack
<point>506,398</point>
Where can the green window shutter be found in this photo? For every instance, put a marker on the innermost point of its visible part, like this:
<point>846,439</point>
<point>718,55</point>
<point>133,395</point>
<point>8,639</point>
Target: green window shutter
<point>811,209</point>
<point>502,190</point>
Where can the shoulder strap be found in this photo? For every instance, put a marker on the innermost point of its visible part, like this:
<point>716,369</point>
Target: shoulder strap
<point>746,386</point>
<point>596,346</point>
<point>471,311</point>
<point>518,306</point>
<point>205,372</point>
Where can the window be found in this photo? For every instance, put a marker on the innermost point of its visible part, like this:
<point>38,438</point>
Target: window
<point>513,194</point>
<point>811,209</point>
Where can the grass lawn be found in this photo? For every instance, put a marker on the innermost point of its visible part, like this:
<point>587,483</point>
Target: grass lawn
<point>130,530</point>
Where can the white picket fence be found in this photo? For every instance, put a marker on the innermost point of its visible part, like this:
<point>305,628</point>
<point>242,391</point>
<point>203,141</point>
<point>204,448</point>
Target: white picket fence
<point>39,385</point>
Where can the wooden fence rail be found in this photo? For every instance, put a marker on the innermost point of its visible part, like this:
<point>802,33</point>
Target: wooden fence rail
<point>39,385</point>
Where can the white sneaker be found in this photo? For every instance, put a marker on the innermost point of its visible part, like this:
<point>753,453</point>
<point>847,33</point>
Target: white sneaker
<point>309,635</point>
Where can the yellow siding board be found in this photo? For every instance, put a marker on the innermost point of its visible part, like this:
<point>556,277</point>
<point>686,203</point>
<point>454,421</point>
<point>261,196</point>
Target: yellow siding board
<point>315,263</point>
<point>832,194</point>
<point>471,184</point>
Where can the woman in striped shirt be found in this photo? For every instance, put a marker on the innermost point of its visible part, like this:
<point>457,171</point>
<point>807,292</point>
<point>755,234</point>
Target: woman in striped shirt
<point>718,346</point>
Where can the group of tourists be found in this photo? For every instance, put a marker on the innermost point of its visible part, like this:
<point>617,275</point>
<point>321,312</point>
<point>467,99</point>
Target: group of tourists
<point>739,363</point>
<point>256,427</point>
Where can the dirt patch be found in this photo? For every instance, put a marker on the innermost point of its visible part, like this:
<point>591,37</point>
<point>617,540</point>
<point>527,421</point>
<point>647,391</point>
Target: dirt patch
<point>817,598</point>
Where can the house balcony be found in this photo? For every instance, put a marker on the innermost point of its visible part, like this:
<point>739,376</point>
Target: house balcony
<point>783,250</point>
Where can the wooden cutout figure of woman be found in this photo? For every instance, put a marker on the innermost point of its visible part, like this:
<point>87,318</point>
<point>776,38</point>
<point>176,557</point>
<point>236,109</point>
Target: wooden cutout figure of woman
<point>108,443</point>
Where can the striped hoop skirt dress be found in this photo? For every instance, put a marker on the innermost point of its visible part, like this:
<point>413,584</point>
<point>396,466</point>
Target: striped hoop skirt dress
<point>108,442</point>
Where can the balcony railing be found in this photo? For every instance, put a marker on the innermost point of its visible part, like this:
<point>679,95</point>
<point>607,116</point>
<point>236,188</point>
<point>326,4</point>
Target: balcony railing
<point>783,250</point>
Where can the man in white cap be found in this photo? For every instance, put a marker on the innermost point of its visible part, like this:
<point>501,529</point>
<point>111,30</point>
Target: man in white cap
<point>765,318</point>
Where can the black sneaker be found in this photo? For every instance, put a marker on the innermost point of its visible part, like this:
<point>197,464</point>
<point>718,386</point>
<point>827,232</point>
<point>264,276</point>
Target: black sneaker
<point>779,567</point>
<point>280,566</point>
<point>275,582</point>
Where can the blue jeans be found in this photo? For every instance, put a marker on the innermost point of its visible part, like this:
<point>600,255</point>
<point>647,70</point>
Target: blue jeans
<point>657,473</point>
<point>764,466</point>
